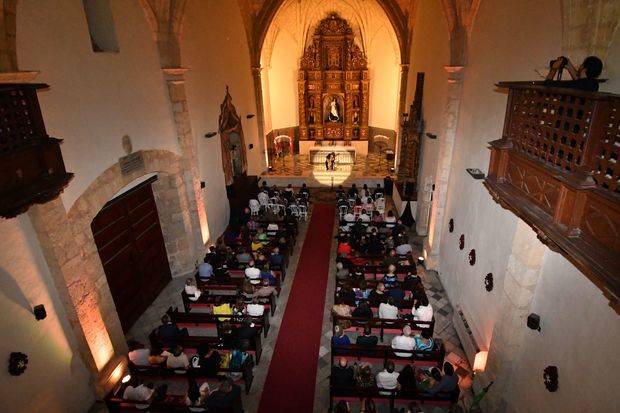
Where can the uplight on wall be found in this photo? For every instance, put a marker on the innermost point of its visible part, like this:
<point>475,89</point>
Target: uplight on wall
<point>480,361</point>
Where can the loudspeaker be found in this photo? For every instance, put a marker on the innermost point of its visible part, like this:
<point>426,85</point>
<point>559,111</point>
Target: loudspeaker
<point>39,312</point>
<point>409,188</point>
<point>533,321</point>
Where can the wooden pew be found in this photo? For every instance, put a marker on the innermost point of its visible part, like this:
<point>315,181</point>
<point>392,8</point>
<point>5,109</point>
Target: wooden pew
<point>382,353</point>
<point>162,373</point>
<point>209,300</point>
<point>393,399</point>
<point>381,326</point>
<point>208,319</point>
<point>191,344</point>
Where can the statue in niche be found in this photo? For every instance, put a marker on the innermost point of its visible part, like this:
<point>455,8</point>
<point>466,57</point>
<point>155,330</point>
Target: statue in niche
<point>311,103</point>
<point>355,118</point>
<point>356,101</point>
<point>333,115</point>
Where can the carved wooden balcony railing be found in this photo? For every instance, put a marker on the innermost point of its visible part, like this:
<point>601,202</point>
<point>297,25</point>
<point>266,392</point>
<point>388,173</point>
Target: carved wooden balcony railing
<point>556,167</point>
<point>32,170</point>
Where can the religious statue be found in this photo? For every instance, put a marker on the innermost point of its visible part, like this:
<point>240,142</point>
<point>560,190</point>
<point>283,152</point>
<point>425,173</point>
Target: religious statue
<point>333,113</point>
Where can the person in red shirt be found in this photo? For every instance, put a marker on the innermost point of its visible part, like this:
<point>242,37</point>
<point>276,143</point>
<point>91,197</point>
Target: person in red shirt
<point>344,247</point>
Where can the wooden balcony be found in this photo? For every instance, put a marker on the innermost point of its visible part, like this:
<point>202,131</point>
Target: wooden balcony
<point>556,167</point>
<point>32,170</point>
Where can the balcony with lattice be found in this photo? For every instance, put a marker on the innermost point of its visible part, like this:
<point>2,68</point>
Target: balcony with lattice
<point>556,167</point>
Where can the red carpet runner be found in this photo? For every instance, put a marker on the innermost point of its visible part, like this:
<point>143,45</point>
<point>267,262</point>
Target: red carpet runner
<point>291,378</point>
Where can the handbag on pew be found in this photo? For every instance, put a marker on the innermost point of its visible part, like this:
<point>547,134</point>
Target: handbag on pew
<point>225,363</point>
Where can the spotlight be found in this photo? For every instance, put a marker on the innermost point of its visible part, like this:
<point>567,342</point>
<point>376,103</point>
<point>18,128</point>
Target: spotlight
<point>431,135</point>
<point>126,379</point>
<point>421,260</point>
<point>533,321</point>
<point>210,134</point>
<point>250,116</point>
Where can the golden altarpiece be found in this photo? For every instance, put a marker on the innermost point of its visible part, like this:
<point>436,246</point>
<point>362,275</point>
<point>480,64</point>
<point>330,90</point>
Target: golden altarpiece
<point>333,85</point>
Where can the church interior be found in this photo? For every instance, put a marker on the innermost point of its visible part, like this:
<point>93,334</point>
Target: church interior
<point>309,206</point>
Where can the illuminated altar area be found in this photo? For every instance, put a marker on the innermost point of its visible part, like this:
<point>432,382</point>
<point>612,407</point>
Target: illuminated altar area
<point>330,84</point>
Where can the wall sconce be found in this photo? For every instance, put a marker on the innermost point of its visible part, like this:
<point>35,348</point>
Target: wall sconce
<point>472,257</point>
<point>480,361</point>
<point>18,362</point>
<point>39,312</point>
<point>488,282</point>
<point>451,225</point>
<point>126,379</point>
<point>550,377</point>
<point>533,321</point>
<point>431,135</point>
<point>421,260</point>
<point>250,116</point>
<point>462,241</point>
<point>475,173</point>
<point>210,134</point>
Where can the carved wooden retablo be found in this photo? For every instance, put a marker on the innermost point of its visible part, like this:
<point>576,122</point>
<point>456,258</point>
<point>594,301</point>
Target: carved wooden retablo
<point>333,85</point>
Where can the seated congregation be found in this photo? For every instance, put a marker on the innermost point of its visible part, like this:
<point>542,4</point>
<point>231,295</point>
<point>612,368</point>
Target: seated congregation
<point>379,298</point>
<point>215,343</point>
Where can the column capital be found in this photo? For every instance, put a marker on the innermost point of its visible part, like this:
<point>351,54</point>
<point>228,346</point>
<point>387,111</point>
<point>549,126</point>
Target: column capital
<point>20,76</point>
<point>175,74</point>
<point>455,73</point>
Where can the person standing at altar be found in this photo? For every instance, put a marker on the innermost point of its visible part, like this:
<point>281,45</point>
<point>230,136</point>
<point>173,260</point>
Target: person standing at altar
<point>333,160</point>
<point>328,161</point>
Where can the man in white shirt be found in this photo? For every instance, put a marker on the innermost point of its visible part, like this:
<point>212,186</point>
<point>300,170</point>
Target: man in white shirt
<point>252,273</point>
<point>137,391</point>
<point>388,378</point>
<point>388,310</point>
<point>139,356</point>
<point>177,359</point>
<point>255,309</point>
<point>403,342</point>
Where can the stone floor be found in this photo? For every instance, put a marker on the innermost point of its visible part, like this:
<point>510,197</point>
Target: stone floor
<point>171,296</point>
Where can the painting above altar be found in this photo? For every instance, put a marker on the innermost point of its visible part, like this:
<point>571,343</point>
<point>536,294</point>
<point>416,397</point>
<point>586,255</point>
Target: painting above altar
<point>333,85</point>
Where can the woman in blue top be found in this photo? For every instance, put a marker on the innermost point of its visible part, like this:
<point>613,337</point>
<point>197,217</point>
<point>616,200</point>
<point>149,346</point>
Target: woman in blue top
<point>425,342</point>
<point>389,279</point>
<point>339,338</point>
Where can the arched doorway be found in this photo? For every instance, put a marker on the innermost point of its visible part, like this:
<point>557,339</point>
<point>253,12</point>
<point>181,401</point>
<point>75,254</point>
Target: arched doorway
<point>130,243</point>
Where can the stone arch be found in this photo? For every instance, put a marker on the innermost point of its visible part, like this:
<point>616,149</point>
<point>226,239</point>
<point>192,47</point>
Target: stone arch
<point>71,254</point>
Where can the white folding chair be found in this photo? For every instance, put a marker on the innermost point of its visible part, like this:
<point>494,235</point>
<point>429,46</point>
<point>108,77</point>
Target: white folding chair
<point>343,209</point>
<point>280,207</point>
<point>263,199</point>
<point>254,207</point>
<point>351,202</point>
<point>303,212</point>
<point>274,200</point>
<point>378,195</point>
<point>294,210</point>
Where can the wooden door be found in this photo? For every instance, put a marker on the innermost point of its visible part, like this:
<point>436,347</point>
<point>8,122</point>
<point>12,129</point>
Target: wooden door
<point>131,246</point>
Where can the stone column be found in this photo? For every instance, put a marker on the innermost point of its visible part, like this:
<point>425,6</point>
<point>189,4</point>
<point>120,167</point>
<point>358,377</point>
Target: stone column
<point>402,107</point>
<point>96,326</point>
<point>522,274</point>
<point>260,112</point>
<point>175,80</point>
<point>444,163</point>
<point>425,193</point>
